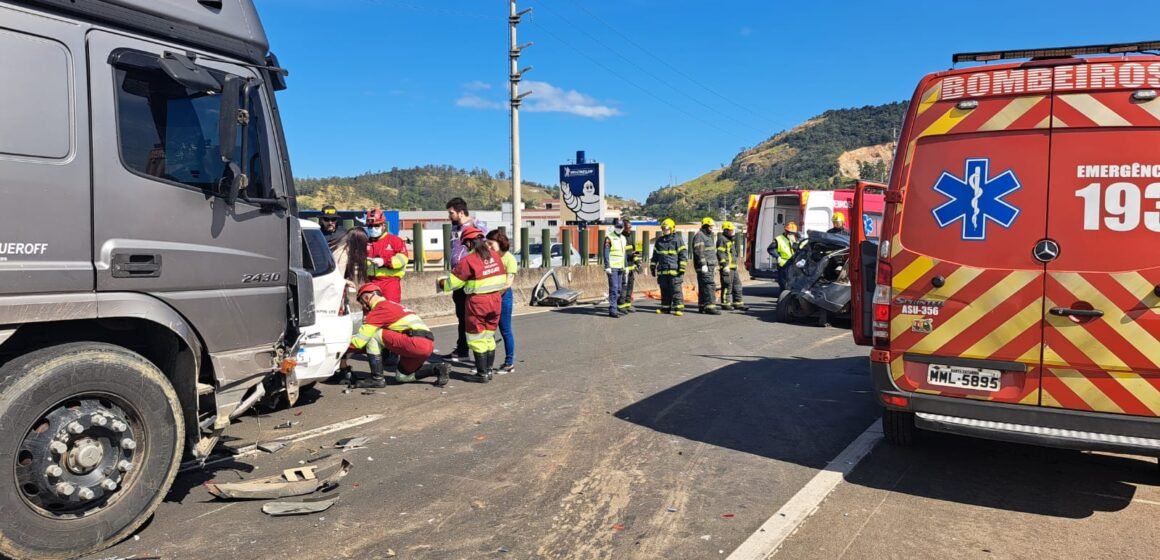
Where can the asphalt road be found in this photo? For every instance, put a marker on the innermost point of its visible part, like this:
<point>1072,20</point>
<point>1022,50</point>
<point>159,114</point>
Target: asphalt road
<point>653,436</point>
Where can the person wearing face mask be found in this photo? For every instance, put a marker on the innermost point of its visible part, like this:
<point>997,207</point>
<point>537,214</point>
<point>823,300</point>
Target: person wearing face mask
<point>390,327</point>
<point>728,253</point>
<point>615,251</point>
<point>387,257</point>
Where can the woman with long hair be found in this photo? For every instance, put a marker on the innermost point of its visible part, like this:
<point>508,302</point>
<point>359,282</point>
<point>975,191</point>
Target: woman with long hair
<point>499,243</point>
<point>350,256</point>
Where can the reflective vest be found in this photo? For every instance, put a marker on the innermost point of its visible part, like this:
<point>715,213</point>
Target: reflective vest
<point>393,251</point>
<point>476,276</point>
<point>704,251</point>
<point>784,249</point>
<point>616,248</point>
<point>386,315</point>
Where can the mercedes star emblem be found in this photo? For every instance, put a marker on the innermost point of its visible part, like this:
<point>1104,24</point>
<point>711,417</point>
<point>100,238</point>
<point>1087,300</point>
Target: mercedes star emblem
<point>1046,250</point>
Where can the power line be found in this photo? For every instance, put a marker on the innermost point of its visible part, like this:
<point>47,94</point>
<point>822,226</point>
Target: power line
<point>650,74</point>
<point>630,41</point>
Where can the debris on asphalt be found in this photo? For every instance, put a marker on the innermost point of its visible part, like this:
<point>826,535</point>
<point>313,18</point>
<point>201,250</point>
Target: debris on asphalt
<point>292,482</point>
<point>315,505</point>
<point>706,537</point>
<point>480,437</point>
<point>272,446</point>
<point>370,458</point>
<point>299,413</point>
<point>618,527</point>
<point>727,516</point>
<point>285,425</point>
<point>369,392</point>
<point>504,550</point>
<point>317,459</point>
<point>390,553</point>
<point>671,510</point>
<point>350,443</point>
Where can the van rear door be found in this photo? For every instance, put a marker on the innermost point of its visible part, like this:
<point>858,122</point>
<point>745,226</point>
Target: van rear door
<point>865,226</point>
<point>1102,334</point>
<point>967,300</point>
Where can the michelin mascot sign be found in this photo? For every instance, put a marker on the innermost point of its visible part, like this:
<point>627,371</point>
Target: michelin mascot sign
<point>582,189</point>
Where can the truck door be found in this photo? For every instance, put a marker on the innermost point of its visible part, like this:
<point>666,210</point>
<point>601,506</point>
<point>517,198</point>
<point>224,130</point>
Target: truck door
<point>1102,334</point>
<point>161,224</point>
<point>967,294</point>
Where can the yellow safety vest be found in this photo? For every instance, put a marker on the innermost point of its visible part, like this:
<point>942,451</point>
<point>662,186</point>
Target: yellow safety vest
<point>616,248</point>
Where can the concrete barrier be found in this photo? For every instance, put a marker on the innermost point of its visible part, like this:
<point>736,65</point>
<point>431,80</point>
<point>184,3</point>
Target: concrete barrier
<point>419,287</point>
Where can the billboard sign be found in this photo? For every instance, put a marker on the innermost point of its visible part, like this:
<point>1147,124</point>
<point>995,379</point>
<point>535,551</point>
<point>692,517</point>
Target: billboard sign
<point>582,189</point>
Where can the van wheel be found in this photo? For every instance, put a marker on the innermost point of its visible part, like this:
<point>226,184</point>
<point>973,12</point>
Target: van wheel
<point>898,427</point>
<point>91,445</point>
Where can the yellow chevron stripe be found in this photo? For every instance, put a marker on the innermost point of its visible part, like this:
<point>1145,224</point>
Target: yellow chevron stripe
<point>909,275</point>
<point>1131,331</point>
<point>946,123</point>
<point>1009,114</point>
<point>930,98</point>
<point>1139,387</point>
<point>1090,346</point>
<point>1152,107</point>
<point>1047,399</point>
<point>956,281</point>
<point>1141,288</point>
<point>1086,390</point>
<point>1094,110</point>
<point>1032,398</point>
<point>975,310</point>
<point>1028,318</point>
<point>897,371</point>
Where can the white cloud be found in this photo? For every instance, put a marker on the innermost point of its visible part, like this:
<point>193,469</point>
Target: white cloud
<point>472,101</point>
<point>547,98</point>
<point>476,85</point>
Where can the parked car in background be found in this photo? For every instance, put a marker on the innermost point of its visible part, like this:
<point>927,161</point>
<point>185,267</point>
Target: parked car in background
<point>536,255</point>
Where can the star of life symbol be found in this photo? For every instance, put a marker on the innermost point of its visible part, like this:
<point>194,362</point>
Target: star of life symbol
<point>867,225</point>
<point>976,198</point>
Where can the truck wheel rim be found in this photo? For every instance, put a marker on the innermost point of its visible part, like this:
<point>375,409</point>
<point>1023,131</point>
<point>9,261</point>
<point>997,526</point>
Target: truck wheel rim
<point>76,458</point>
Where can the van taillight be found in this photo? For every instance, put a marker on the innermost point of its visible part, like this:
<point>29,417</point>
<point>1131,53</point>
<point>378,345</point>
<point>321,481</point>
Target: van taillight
<point>880,326</point>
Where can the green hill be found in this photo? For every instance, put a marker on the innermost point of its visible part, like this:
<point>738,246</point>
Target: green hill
<point>829,151</point>
<point>428,187</point>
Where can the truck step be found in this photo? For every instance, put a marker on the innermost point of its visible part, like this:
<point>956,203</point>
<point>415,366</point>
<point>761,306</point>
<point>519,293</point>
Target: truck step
<point>204,389</point>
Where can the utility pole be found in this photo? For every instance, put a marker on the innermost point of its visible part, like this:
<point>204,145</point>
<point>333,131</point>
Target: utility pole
<point>516,98</point>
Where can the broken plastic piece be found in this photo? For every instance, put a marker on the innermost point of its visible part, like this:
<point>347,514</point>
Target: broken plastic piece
<point>299,474</point>
<point>272,446</point>
<point>559,297</point>
<point>315,505</point>
<point>346,444</point>
<point>285,425</point>
<point>325,476</point>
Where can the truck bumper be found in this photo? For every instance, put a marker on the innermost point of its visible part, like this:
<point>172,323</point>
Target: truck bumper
<point>1051,427</point>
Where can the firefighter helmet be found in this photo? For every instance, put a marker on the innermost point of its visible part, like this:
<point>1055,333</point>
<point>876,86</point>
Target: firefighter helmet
<point>791,227</point>
<point>669,223</point>
<point>707,221</point>
<point>727,226</point>
<point>469,233</point>
<point>366,289</point>
<point>839,219</point>
<point>375,217</point>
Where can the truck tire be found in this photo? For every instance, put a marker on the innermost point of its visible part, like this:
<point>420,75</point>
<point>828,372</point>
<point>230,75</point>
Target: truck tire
<point>898,427</point>
<point>90,440</point>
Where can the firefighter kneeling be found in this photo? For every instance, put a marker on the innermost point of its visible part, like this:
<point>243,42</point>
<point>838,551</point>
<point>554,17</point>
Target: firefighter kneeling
<point>390,327</point>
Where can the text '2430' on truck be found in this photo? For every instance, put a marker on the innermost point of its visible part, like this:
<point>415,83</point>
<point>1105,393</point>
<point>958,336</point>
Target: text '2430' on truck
<point>152,270</point>
<point>1014,294</point>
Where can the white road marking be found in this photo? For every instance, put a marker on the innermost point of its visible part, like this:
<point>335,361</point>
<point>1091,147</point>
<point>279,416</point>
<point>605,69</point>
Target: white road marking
<point>768,538</point>
<point>293,438</point>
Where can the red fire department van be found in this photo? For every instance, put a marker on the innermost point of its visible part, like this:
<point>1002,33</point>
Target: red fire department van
<point>1013,295</point>
<point>811,210</point>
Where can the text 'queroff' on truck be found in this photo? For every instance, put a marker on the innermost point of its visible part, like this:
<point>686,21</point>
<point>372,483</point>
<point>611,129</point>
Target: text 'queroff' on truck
<point>152,271</point>
<point>1015,294</point>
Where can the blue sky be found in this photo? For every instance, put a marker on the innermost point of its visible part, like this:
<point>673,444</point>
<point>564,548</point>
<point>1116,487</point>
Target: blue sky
<point>658,90</point>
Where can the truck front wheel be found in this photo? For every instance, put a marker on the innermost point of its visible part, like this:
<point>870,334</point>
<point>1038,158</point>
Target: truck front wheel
<point>89,441</point>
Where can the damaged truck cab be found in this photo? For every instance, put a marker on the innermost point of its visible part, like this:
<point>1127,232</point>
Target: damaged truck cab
<point>151,271</point>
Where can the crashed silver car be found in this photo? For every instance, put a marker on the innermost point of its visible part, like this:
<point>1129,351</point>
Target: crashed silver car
<point>817,283</point>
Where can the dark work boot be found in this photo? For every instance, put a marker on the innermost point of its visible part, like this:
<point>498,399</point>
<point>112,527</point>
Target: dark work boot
<point>481,373</point>
<point>491,363</point>
<point>376,380</point>
<point>441,371</point>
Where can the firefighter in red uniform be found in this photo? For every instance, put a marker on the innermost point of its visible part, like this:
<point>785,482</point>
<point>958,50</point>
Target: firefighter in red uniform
<point>390,327</point>
<point>386,257</point>
<point>482,277</point>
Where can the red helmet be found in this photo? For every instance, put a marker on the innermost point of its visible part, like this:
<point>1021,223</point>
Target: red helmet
<point>368,288</point>
<point>375,217</point>
<point>469,233</point>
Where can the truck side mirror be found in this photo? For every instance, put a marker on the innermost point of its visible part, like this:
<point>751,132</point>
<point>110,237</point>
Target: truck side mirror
<point>233,182</point>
